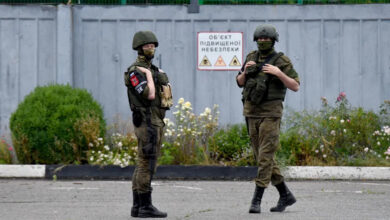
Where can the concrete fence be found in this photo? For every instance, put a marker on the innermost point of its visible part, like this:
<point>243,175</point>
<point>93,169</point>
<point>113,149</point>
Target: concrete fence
<point>334,48</point>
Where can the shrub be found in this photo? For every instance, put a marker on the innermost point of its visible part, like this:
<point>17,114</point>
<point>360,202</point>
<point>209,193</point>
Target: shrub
<point>232,146</point>
<point>54,124</point>
<point>335,135</point>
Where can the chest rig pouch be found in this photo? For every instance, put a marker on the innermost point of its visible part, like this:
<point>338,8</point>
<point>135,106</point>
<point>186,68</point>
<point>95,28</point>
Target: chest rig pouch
<point>164,89</point>
<point>256,86</point>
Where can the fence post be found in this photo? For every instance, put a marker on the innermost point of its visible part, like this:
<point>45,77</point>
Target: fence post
<point>193,7</point>
<point>64,45</point>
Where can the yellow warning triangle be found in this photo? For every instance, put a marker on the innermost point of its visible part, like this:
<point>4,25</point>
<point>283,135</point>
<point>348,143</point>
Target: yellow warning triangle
<point>235,62</point>
<point>205,62</point>
<point>220,62</point>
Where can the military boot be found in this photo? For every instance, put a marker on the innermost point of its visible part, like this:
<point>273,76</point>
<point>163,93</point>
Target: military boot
<point>135,208</point>
<point>286,198</point>
<point>147,210</point>
<point>256,200</point>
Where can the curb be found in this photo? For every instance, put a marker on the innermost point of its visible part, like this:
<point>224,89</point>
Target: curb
<point>179,172</point>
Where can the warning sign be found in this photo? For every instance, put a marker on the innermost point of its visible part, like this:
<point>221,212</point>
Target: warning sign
<point>217,49</point>
<point>235,62</point>
<point>220,62</point>
<point>205,62</point>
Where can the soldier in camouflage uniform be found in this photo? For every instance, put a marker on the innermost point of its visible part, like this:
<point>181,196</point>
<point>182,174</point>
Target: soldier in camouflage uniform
<point>265,76</point>
<point>149,96</point>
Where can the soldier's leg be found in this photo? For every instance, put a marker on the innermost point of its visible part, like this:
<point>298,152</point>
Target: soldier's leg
<point>268,144</point>
<point>135,180</point>
<point>277,176</point>
<point>253,127</point>
<point>286,197</point>
<point>144,177</point>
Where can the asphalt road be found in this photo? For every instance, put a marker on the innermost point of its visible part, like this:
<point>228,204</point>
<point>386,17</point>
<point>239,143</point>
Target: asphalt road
<point>42,199</point>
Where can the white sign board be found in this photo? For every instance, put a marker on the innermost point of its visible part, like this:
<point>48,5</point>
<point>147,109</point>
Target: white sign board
<point>220,50</point>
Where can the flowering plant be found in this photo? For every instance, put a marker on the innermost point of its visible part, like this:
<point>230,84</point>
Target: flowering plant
<point>186,137</point>
<point>335,135</point>
<point>118,150</point>
<point>5,152</point>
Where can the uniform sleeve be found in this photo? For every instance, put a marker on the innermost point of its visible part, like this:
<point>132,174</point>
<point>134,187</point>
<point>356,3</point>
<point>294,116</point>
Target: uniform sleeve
<point>240,72</point>
<point>137,81</point>
<point>285,65</point>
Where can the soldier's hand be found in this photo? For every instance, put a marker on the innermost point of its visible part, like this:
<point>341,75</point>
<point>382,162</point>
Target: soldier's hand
<point>250,63</point>
<point>271,69</point>
<point>144,70</point>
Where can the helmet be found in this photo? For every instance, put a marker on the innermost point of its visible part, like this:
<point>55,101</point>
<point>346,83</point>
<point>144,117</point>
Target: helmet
<point>266,30</point>
<point>144,37</point>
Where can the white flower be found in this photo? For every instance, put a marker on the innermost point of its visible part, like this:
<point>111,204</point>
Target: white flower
<point>366,149</point>
<point>386,129</point>
<point>332,118</point>
<point>345,130</point>
<point>376,133</point>
<point>342,121</point>
<point>120,144</point>
<point>321,146</point>
<point>106,147</point>
<point>180,101</point>
<point>100,139</point>
<point>207,110</point>
<point>324,156</point>
<point>90,144</point>
<point>387,157</point>
<point>91,158</point>
<point>378,143</point>
<point>388,151</point>
<point>316,151</point>
<point>333,132</point>
<point>187,105</point>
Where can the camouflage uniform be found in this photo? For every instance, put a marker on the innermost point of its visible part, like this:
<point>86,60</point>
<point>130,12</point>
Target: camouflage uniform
<point>148,121</point>
<point>264,121</point>
<point>142,175</point>
<point>263,97</point>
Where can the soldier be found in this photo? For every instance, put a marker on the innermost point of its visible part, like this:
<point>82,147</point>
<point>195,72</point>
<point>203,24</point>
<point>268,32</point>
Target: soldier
<point>265,77</point>
<point>149,95</point>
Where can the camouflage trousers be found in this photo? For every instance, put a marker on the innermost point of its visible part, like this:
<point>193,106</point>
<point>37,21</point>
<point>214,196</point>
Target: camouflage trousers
<point>142,177</point>
<point>264,135</point>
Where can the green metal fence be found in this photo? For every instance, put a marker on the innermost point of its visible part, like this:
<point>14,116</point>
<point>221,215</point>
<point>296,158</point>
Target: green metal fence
<point>95,2</point>
<point>254,2</point>
<point>201,2</point>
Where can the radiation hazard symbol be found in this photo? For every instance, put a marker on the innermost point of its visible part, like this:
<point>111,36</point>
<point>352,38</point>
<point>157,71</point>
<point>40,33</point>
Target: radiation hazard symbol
<point>220,62</point>
<point>234,62</point>
<point>205,62</point>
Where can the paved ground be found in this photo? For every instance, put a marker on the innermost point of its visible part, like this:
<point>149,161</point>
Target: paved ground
<point>42,199</point>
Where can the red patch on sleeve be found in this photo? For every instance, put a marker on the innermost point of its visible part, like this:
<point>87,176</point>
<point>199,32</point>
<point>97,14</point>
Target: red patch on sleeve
<point>133,79</point>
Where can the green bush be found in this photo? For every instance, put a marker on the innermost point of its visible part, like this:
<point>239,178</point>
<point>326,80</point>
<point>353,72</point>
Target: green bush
<point>54,125</point>
<point>232,146</point>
